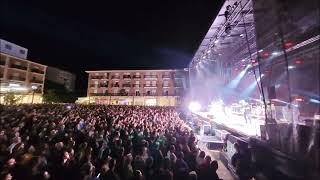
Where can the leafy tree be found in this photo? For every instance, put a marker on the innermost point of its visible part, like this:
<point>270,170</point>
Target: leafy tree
<point>57,93</point>
<point>10,98</point>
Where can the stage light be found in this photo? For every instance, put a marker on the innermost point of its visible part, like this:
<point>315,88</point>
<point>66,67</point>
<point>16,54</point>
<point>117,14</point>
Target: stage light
<point>275,53</point>
<point>34,87</point>
<point>203,57</point>
<point>243,60</point>
<point>194,106</point>
<point>209,51</point>
<point>315,101</point>
<point>291,67</point>
<point>241,35</point>
<point>260,50</point>
<point>216,41</point>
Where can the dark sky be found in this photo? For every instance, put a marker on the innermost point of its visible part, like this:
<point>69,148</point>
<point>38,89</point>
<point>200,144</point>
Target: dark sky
<point>95,35</point>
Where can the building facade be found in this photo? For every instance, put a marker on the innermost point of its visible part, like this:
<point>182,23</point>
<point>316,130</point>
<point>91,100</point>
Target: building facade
<point>22,77</point>
<point>13,49</point>
<point>61,77</point>
<point>139,85</point>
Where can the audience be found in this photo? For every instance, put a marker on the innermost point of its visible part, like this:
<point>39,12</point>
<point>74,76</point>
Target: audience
<point>99,142</point>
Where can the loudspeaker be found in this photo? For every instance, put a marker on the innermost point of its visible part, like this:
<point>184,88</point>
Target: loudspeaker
<point>272,92</point>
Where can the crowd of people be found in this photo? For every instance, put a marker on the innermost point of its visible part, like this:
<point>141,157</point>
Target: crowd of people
<point>99,142</point>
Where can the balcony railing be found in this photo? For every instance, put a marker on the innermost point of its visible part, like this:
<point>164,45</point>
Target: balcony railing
<point>36,81</point>
<point>17,78</point>
<point>165,85</point>
<point>136,85</point>
<point>92,85</point>
<point>98,94</point>
<point>150,94</point>
<point>126,77</point>
<point>18,67</point>
<point>150,76</point>
<point>37,71</point>
<point>126,85</point>
<point>115,85</point>
<point>178,85</point>
<point>96,77</point>
<point>166,76</point>
<point>178,76</point>
<point>150,85</point>
<point>103,85</point>
<point>136,77</point>
<point>115,77</point>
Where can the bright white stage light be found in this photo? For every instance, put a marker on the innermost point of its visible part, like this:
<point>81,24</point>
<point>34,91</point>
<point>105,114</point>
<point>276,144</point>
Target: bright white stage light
<point>194,106</point>
<point>275,53</point>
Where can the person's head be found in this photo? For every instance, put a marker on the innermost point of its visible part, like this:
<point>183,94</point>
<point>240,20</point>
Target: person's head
<point>237,147</point>
<point>202,154</point>
<point>172,148</point>
<point>214,165</point>
<point>137,175</point>
<point>207,159</point>
<point>193,175</point>
<point>180,155</point>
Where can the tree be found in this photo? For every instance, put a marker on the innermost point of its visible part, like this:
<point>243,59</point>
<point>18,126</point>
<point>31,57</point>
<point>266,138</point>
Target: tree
<point>10,98</point>
<point>57,93</point>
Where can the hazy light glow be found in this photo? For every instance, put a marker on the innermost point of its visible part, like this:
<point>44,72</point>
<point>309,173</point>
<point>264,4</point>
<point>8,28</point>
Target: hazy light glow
<point>14,85</point>
<point>275,53</point>
<point>291,67</point>
<point>315,101</point>
<point>194,106</point>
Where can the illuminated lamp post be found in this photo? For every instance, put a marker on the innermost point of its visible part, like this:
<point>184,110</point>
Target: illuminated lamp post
<point>34,88</point>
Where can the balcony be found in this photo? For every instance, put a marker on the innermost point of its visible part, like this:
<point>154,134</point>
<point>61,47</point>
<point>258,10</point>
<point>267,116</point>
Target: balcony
<point>115,77</point>
<point>126,85</point>
<point>98,94</point>
<point>136,77</point>
<point>150,94</point>
<point>17,78</point>
<point>115,85</point>
<point>150,86</point>
<point>92,85</point>
<point>18,67</point>
<point>126,77</point>
<point>136,85</point>
<point>36,81</point>
<point>166,85</point>
<point>96,77</point>
<point>37,71</point>
<point>2,63</point>
<point>103,85</point>
<point>150,77</point>
<point>178,76</point>
<point>179,85</point>
<point>166,76</point>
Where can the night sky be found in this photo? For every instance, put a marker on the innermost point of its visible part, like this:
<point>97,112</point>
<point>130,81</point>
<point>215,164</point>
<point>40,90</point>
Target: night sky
<point>96,35</point>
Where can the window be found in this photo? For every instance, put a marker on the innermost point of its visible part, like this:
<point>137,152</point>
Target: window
<point>16,74</point>
<point>137,93</point>
<point>148,83</point>
<point>95,91</point>
<point>8,46</point>
<point>96,82</point>
<point>17,63</point>
<point>154,83</point>
<point>137,82</point>
<point>117,74</point>
<point>22,51</point>
<point>166,83</point>
<point>137,74</point>
<point>166,73</point>
<point>153,91</point>
<point>97,74</point>
<point>154,73</point>
<point>166,92</point>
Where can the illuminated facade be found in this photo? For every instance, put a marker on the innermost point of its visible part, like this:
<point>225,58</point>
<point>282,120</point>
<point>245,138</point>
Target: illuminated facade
<point>21,77</point>
<point>138,87</point>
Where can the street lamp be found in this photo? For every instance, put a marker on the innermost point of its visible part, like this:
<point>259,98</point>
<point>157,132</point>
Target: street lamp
<point>34,88</point>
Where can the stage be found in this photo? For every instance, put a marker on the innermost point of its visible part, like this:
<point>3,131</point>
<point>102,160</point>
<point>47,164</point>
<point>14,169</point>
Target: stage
<point>235,122</point>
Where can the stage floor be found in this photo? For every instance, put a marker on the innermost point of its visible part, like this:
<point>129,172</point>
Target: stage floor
<point>236,123</point>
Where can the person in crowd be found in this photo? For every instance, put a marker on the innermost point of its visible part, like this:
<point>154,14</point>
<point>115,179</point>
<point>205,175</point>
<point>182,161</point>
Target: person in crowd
<point>53,141</point>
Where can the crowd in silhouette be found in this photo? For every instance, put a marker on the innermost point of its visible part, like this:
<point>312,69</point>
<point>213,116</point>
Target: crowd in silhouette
<point>99,142</point>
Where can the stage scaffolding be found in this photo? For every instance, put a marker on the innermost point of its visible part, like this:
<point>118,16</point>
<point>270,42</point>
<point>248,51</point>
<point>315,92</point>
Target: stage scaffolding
<point>279,41</point>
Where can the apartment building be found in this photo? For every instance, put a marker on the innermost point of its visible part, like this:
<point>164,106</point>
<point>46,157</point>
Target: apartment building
<point>144,87</point>
<point>61,77</point>
<point>21,77</point>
